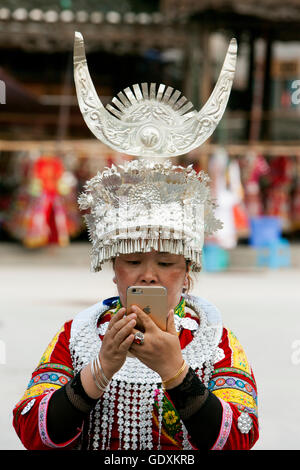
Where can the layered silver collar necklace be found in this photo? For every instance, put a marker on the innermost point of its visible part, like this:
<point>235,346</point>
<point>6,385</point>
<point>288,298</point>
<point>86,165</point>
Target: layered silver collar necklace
<point>128,402</point>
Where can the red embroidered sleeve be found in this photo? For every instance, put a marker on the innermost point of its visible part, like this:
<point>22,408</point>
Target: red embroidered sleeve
<point>234,384</point>
<point>53,371</point>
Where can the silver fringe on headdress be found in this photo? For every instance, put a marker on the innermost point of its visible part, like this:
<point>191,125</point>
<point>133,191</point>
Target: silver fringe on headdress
<point>144,205</point>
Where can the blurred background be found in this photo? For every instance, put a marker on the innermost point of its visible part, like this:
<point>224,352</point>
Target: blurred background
<point>250,268</point>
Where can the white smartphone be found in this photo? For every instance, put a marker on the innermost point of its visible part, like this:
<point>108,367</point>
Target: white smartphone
<point>152,300</point>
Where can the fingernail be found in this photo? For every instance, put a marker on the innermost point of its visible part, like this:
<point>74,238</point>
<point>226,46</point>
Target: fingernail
<point>132,316</point>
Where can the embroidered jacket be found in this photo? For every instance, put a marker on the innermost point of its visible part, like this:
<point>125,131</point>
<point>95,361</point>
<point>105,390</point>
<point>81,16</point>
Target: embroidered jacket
<point>232,381</point>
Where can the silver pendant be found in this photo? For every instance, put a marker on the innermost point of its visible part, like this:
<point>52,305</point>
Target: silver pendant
<point>244,422</point>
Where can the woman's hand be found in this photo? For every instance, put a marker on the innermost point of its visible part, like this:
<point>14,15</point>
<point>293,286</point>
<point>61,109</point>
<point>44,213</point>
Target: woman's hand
<point>116,342</point>
<point>161,350</point>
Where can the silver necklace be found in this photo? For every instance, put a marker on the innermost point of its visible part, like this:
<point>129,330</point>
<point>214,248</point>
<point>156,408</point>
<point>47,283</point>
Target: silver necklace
<point>129,399</point>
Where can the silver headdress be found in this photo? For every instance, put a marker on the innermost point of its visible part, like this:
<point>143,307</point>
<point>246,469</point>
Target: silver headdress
<point>149,122</point>
<point>149,204</point>
<point>144,205</point>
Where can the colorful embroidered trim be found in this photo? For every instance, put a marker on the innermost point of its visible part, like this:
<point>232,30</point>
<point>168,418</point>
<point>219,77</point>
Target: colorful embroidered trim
<point>39,389</point>
<point>233,370</point>
<point>235,397</point>
<point>248,410</point>
<point>170,419</point>
<point>118,306</point>
<point>41,382</point>
<point>49,377</point>
<point>180,309</point>
<point>164,433</point>
<point>225,426</point>
<point>55,366</point>
<point>43,407</point>
<point>223,382</point>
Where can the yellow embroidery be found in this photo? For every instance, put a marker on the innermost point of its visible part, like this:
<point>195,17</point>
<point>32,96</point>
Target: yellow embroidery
<point>170,417</point>
<point>239,358</point>
<point>46,356</point>
<point>36,390</point>
<point>165,433</point>
<point>235,396</point>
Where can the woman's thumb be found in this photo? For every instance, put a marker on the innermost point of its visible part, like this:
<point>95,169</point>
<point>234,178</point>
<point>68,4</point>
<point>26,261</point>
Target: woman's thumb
<point>170,323</point>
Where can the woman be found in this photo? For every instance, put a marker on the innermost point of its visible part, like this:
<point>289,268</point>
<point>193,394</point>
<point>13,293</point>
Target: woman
<point>101,384</point>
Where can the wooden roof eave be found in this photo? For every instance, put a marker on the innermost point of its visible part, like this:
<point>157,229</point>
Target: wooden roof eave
<point>42,35</point>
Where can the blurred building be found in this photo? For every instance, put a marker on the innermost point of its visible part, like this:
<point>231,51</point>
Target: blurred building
<point>181,43</point>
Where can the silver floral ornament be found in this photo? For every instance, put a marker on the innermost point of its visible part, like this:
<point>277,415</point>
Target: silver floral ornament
<point>244,422</point>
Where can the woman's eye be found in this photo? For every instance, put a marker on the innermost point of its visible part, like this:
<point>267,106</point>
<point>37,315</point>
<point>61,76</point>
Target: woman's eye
<point>133,262</point>
<point>165,264</point>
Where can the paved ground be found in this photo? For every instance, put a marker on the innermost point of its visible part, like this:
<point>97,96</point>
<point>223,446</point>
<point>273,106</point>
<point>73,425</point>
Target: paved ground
<point>40,290</point>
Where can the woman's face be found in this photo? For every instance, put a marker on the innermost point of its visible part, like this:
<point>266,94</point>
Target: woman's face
<point>151,269</point>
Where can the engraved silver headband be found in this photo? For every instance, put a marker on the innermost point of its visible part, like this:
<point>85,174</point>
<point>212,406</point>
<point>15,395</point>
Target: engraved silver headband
<point>147,121</point>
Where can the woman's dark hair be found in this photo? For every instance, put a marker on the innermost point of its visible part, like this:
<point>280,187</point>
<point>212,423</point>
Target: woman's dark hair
<point>189,278</point>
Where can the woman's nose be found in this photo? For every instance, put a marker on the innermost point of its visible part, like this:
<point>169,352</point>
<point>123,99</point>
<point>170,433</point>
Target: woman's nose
<point>148,276</point>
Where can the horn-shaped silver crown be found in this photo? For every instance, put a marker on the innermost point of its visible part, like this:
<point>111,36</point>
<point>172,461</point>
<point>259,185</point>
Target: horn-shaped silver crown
<point>147,121</point>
